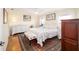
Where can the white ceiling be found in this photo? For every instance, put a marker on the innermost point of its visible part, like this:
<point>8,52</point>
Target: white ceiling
<point>33,10</point>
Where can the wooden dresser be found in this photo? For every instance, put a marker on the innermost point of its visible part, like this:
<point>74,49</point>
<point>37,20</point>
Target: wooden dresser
<point>70,35</point>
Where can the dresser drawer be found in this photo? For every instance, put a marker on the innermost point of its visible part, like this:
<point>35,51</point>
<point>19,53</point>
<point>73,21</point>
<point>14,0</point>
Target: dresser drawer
<point>69,47</point>
<point>73,42</point>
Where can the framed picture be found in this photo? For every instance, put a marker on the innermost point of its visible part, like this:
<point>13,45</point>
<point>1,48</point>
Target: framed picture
<point>26,18</point>
<point>5,16</point>
<point>51,16</point>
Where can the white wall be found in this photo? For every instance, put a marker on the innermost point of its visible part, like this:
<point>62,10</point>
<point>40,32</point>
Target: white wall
<point>4,31</point>
<point>16,18</point>
<point>1,23</point>
<point>51,23</point>
<point>1,27</point>
<point>77,12</point>
<point>5,35</point>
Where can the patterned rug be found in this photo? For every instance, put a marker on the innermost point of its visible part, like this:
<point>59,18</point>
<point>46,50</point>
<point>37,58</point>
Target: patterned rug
<point>49,45</point>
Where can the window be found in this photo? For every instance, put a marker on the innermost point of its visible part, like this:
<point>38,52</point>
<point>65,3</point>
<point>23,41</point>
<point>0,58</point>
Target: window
<point>42,20</point>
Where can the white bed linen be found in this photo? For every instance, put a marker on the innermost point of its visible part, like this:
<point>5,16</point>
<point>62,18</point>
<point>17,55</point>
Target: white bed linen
<point>30,35</point>
<point>37,33</point>
<point>41,34</point>
<point>51,32</point>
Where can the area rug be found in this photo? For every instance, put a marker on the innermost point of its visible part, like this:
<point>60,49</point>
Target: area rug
<point>49,45</point>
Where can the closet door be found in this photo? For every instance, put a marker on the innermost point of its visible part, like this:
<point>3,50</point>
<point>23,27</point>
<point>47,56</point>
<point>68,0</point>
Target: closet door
<point>69,36</point>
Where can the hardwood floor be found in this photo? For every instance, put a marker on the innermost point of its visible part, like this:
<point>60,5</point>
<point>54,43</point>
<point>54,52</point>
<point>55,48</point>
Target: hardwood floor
<point>14,44</point>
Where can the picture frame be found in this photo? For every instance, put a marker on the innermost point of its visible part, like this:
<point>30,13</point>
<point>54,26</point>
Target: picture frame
<point>51,16</point>
<point>5,16</point>
<point>26,18</point>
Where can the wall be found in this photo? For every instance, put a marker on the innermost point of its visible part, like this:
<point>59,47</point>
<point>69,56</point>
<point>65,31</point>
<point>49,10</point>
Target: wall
<point>16,18</point>
<point>5,35</point>
<point>1,23</point>
<point>51,23</point>
<point>1,27</point>
<point>4,32</point>
<point>77,12</point>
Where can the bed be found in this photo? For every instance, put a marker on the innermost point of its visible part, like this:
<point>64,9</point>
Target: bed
<point>41,34</point>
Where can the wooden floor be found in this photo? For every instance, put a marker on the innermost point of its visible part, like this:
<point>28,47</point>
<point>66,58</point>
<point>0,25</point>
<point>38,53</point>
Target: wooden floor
<point>13,44</point>
<point>49,45</point>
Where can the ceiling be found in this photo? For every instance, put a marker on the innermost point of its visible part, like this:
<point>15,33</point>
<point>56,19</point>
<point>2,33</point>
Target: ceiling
<point>34,10</point>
